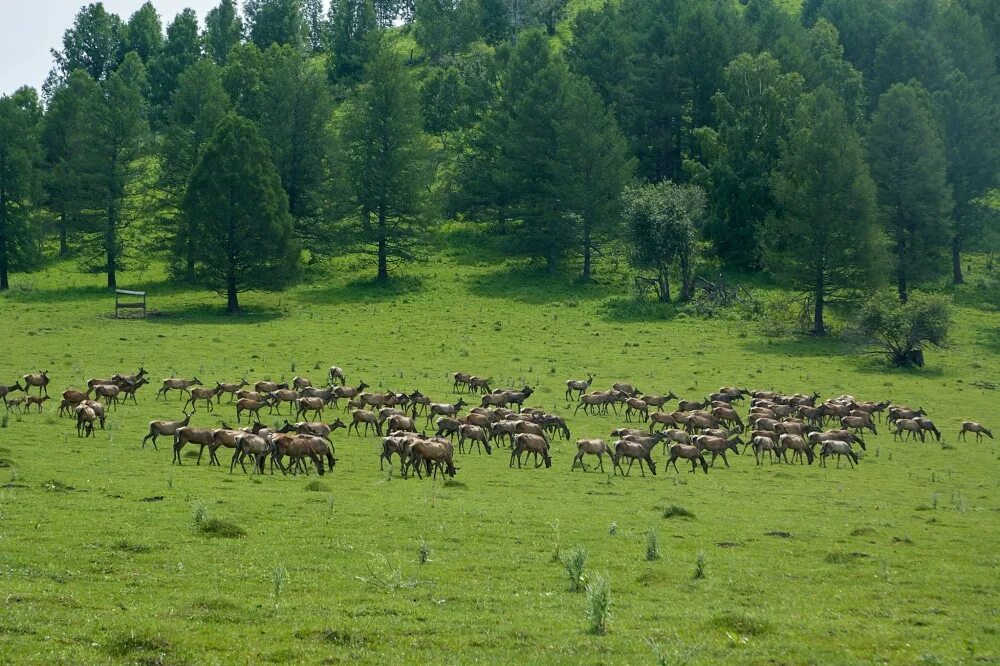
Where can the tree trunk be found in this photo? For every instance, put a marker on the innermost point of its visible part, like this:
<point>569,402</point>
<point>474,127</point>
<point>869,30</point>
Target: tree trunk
<point>901,259</point>
<point>383,259</point>
<point>956,260</point>
<point>109,247</point>
<point>586,250</point>
<point>663,285</point>
<point>63,233</point>
<point>686,286</point>
<point>4,285</point>
<point>819,329</point>
<point>233,304</point>
<point>189,269</point>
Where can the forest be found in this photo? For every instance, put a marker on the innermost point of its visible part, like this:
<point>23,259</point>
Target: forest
<point>837,146</point>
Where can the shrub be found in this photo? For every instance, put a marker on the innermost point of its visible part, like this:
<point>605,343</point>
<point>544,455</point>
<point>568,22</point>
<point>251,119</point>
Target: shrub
<point>699,566</point>
<point>574,562</point>
<point>674,511</point>
<point>900,330</point>
<point>598,604</point>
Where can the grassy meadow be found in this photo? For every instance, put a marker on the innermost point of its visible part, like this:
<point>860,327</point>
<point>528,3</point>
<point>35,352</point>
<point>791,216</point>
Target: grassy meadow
<point>102,559</point>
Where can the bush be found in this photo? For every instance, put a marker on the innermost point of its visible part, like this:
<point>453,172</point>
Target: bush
<point>900,330</point>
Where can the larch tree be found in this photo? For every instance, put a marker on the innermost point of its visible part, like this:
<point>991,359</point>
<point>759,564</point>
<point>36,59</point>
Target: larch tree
<point>593,167</point>
<point>181,49</point>
<point>105,157</point>
<point>383,155</point>
<point>19,156</point>
<point>826,238</point>
<point>244,229</point>
<point>144,33</point>
<point>909,167</point>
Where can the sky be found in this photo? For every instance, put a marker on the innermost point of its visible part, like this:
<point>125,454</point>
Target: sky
<point>29,28</point>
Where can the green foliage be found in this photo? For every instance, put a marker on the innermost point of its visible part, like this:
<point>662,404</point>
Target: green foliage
<point>280,22</point>
<point>900,330</point>
<point>294,114</point>
<point>245,231</point>
<point>19,156</point>
<point>662,221</point>
<point>94,44</point>
<point>106,145</point>
<point>598,604</point>
<point>350,22</point>
<point>384,163</point>
<point>592,167</point>
<point>223,30</point>
<point>908,163</point>
<point>652,546</point>
<point>826,239</point>
<point>144,32</point>
<point>196,109</point>
<point>181,49</point>
<point>444,27</point>
<point>574,562</point>
<point>753,115</point>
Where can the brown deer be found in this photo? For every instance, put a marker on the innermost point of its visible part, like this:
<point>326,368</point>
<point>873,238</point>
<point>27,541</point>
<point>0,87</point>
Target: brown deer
<point>978,428</point>
<point>41,381</point>
<point>164,428</point>
<point>174,384</point>
<point>5,390</point>
<point>579,386</point>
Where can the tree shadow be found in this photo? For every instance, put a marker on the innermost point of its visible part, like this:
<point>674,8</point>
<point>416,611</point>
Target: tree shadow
<point>361,291</point>
<point>631,311</point>
<point>527,284</point>
<point>802,346</point>
<point>206,313</point>
<point>76,293</point>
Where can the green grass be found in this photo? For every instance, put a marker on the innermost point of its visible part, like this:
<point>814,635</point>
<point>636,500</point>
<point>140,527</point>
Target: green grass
<point>106,557</point>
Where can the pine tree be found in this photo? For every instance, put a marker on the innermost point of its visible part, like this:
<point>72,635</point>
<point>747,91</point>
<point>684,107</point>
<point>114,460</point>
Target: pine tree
<point>825,239</point>
<point>104,155</point>
<point>19,156</point>
<point>316,23</point>
<point>384,163</point>
<point>909,167</point>
<point>244,229</point>
<point>593,167</point>
<point>276,22</point>
<point>196,110</point>
<point>223,31</point>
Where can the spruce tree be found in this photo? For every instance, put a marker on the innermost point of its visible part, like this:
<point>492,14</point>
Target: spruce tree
<point>223,31</point>
<point>19,156</point>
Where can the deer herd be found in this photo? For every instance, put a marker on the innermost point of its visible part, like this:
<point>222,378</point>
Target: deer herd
<point>421,433</point>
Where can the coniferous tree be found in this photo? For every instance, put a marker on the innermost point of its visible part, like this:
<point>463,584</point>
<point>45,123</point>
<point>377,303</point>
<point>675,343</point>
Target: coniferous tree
<point>971,123</point>
<point>593,167</point>
<point>181,50</point>
<point>826,238</point>
<point>316,23</point>
<point>351,21</point>
<point>144,33</point>
<point>244,229</point>
<point>104,156</point>
<point>66,119</point>
<point>19,157</point>
<point>196,110</point>
<point>384,163</point>
<point>94,44</point>
<point>295,110</point>
<point>223,31</point>
<point>276,22</point>
<point>909,167</point>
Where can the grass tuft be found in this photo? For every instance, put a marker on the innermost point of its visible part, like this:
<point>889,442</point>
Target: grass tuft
<point>652,546</point>
<point>674,511</point>
<point>699,567</point>
<point>317,487</point>
<point>742,623</point>
<point>131,546</point>
<point>131,644</point>
<point>217,527</point>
